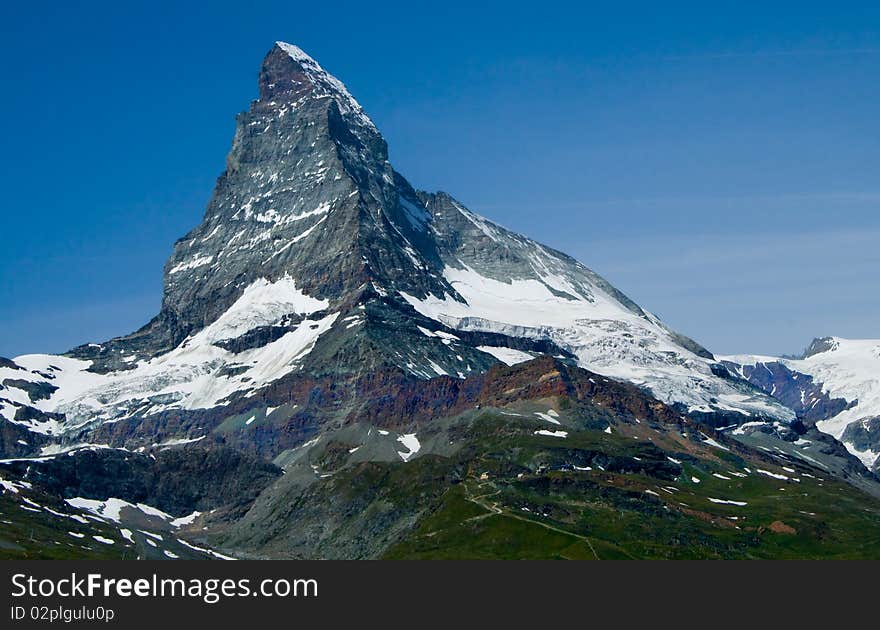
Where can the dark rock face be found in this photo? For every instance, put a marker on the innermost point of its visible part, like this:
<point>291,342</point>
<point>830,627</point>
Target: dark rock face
<point>818,346</point>
<point>400,402</point>
<point>36,391</point>
<point>864,435</point>
<point>178,481</point>
<point>796,391</point>
<point>254,338</point>
<point>17,441</point>
<point>9,363</point>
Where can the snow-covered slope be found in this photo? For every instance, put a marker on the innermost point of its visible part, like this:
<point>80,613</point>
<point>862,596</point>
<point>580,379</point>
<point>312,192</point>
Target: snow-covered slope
<point>847,369</point>
<point>199,373</point>
<point>545,295</point>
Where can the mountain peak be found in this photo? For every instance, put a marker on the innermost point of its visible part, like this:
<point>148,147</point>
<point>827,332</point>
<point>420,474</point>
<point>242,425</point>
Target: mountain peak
<point>288,74</point>
<point>297,53</point>
<point>820,345</point>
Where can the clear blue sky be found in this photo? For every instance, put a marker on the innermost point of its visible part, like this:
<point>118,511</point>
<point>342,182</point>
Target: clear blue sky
<point>718,162</point>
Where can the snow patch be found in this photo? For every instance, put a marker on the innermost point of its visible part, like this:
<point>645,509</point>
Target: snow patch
<point>508,356</point>
<point>548,417</point>
<point>411,443</point>
<point>558,434</point>
<point>727,502</point>
<point>112,507</point>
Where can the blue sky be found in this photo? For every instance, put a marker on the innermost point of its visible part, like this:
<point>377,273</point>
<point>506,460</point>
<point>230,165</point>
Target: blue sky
<point>717,162</point>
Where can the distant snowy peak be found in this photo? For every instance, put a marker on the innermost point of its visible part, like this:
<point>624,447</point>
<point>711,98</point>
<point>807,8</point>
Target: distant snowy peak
<point>819,345</point>
<point>832,369</point>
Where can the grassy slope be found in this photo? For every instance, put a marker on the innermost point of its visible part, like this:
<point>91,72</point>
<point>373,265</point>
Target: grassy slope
<point>28,533</point>
<point>514,511</point>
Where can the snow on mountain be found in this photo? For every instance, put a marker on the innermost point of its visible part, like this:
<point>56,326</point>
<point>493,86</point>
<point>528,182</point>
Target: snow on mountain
<point>199,373</point>
<point>542,294</point>
<point>315,256</point>
<point>847,369</point>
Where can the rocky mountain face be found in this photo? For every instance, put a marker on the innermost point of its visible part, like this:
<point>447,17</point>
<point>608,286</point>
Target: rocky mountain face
<point>325,317</point>
<point>316,258</point>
